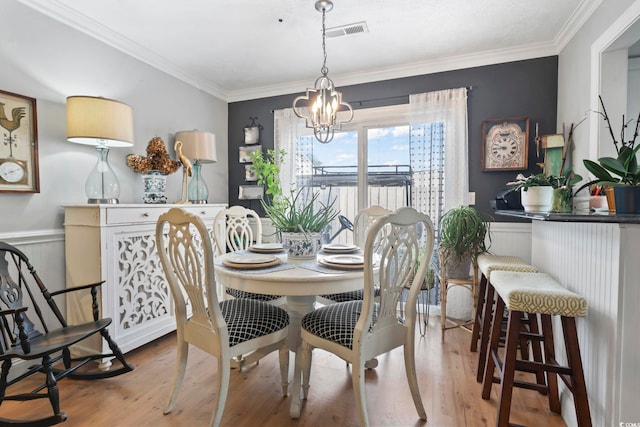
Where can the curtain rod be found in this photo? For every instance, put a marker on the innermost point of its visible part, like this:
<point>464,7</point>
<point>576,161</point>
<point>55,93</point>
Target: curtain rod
<point>392,97</point>
<point>399,97</point>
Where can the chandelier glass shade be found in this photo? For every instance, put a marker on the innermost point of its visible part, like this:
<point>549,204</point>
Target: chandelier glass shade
<point>320,105</point>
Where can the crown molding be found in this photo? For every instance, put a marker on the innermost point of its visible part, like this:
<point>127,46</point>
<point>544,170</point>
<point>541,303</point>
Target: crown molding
<point>80,22</point>
<point>578,18</point>
<point>459,62</point>
<point>64,14</point>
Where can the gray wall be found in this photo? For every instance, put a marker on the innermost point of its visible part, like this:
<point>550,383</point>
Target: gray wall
<point>517,89</point>
<point>44,59</point>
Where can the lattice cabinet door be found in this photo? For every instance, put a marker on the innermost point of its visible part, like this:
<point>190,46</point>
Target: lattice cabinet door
<point>116,243</point>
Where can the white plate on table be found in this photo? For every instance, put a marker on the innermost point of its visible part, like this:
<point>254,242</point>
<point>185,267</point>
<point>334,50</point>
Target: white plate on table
<point>267,248</point>
<point>342,261</point>
<point>340,248</point>
<point>250,261</point>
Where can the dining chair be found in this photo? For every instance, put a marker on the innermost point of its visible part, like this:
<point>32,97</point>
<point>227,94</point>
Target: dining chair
<point>233,229</point>
<point>363,221</point>
<point>357,331</point>
<point>226,329</point>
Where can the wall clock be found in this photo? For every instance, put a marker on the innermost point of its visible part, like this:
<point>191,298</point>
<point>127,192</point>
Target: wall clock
<point>13,171</point>
<point>505,144</point>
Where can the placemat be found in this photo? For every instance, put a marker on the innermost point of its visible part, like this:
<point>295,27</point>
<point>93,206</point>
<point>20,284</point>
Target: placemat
<point>314,266</point>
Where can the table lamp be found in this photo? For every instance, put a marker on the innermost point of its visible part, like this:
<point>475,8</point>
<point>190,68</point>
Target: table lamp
<point>200,148</point>
<point>103,123</point>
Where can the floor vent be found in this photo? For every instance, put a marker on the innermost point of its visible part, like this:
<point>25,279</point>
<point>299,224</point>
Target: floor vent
<point>347,30</point>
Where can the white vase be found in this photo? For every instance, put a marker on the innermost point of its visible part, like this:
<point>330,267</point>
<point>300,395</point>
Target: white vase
<point>301,245</point>
<point>537,199</point>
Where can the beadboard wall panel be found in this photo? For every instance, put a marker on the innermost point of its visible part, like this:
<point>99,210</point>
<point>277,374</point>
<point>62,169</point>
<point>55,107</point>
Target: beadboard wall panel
<point>597,261</point>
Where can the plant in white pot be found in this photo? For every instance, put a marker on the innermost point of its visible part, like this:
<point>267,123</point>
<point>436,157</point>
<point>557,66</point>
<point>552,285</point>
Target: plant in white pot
<point>542,193</point>
<point>299,218</point>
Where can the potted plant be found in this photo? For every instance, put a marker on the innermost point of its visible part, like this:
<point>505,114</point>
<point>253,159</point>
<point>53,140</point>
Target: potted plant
<point>299,218</point>
<point>546,193</point>
<point>621,172</point>
<point>462,239</point>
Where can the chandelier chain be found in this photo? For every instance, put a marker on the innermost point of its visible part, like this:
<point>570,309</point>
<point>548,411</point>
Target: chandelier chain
<point>324,70</point>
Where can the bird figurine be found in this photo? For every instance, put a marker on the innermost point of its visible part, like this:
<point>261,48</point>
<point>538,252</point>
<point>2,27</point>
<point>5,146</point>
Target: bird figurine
<point>187,171</point>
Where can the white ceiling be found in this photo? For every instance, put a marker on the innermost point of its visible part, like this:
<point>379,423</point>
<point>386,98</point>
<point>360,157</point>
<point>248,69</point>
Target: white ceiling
<point>246,49</point>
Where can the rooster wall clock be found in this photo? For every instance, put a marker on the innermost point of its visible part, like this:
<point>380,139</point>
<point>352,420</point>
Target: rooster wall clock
<point>18,144</point>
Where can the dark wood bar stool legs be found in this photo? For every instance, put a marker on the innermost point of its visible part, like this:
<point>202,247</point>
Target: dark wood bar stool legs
<point>482,321</point>
<point>535,294</point>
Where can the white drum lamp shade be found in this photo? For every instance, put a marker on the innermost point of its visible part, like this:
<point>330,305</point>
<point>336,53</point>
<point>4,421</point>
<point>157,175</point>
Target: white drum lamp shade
<point>103,123</point>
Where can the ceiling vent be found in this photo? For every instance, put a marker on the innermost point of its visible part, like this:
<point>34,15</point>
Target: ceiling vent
<point>347,30</point>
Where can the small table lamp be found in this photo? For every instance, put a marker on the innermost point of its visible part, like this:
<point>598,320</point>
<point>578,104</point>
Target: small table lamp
<point>104,123</point>
<point>200,147</point>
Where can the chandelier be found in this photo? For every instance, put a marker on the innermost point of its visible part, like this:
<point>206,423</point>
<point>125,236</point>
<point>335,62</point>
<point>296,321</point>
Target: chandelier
<point>324,100</point>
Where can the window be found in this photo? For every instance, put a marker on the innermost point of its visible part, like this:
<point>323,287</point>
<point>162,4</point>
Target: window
<point>403,155</point>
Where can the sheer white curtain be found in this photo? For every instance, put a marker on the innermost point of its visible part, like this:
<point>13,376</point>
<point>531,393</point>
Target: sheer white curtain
<point>449,107</point>
<point>287,127</point>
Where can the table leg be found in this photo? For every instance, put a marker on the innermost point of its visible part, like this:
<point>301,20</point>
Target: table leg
<point>297,306</point>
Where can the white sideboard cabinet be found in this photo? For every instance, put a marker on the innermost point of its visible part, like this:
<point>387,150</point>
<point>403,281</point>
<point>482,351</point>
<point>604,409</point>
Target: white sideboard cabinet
<point>116,243</point>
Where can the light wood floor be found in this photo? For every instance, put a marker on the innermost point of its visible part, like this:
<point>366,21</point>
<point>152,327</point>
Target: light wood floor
<point>446,372</point>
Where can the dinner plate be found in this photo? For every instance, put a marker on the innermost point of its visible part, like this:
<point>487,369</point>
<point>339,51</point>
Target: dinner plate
<point>237,261</point>
<point>267,248</point>
<point>338,266</point>
<point>340,248</point>
<point>344,259</point>
<point>249,258</point>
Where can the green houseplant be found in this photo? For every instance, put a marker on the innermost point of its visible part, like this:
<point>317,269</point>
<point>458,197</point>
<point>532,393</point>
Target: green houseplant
<point>462,238</point>
<point>544,193</point>
<point>622,172</point>
<point>299,218</point>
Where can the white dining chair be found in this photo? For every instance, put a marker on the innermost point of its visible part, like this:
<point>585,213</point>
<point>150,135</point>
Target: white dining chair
<point>237,228</point>
<point>226,329</point>
<point>358,331</point>
<point>364,219</point>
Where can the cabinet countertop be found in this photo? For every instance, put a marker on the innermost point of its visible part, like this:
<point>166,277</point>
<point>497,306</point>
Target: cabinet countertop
<point>600,217</point>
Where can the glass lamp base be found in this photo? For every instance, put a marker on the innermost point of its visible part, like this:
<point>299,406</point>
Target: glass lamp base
<point>198,191</point>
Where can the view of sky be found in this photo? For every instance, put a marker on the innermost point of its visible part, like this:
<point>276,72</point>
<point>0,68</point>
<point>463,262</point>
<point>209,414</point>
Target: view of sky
<point>387,146</point>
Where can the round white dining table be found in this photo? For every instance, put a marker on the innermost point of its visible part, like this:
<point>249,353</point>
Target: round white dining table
<point>299,285</point>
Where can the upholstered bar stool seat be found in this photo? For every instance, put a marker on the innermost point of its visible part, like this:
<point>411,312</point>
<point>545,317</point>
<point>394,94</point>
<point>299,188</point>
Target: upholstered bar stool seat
<point>535,294</point>
<point>481,322</point>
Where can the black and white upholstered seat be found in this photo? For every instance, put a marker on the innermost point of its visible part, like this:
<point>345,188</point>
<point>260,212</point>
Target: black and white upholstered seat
<point>236,328</point>
<point>358,331</point>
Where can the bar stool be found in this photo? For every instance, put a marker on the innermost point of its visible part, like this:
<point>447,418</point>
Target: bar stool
<point>535,294</point>
<point>481,323</point>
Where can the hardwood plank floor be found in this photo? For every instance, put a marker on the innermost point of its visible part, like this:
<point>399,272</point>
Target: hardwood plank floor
<point>446,373</point>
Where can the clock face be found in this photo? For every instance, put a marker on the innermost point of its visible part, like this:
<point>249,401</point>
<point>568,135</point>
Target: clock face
<point>505,146</point>
<point>12,172</point>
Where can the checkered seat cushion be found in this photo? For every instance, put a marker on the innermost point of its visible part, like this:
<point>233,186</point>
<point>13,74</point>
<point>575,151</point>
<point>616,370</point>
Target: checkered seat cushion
<point>250,295</point>
<point>336,322</point>
<point>249,318</point>
<point>351,296</point>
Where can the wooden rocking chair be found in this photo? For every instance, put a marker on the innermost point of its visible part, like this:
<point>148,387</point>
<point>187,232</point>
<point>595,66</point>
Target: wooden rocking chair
<point>47,341</point>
